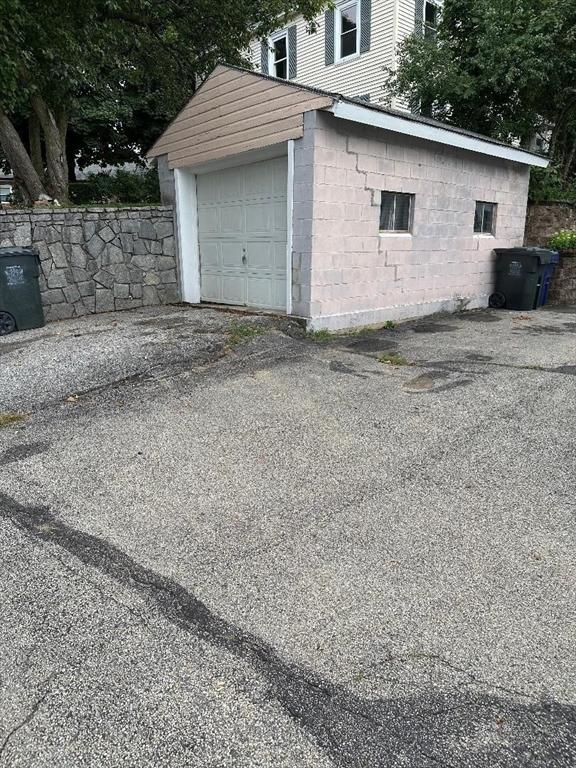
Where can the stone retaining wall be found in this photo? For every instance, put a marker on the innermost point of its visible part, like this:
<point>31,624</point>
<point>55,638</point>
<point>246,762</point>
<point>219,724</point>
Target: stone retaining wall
<point>98,259</point>
<point>545,219</point>
<point>563,286</point>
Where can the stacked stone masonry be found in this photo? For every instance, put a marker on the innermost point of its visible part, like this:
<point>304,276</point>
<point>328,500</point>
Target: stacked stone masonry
<point>346,272</point>
<point>545,219</point>
<point>563,287</point>
<point>98,259</point>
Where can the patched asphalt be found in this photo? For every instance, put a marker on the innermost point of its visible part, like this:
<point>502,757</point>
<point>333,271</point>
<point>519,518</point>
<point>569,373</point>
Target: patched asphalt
<point>228,544</point>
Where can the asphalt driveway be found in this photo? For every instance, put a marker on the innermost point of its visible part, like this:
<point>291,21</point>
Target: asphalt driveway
<point>227,544</point>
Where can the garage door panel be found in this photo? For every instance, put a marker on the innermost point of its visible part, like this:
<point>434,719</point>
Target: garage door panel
<point>232,253</point>
<point>210,286</point>
<point>210,254</point>
<point>232,220</point>
<point>250,202</point>
<point>280,217</point>
<point>208,220</point>
<point>259,218</point>
<point>233,289</point>
<point>269,294</point>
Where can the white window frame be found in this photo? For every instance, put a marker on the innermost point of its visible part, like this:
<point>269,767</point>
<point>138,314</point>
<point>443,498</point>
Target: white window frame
<point>481,232</point>
<point>412,199</point>
<point>338,30</point>
<point>271,60</point>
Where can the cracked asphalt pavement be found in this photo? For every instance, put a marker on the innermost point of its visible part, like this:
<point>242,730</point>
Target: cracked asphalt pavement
<point>226,544</point>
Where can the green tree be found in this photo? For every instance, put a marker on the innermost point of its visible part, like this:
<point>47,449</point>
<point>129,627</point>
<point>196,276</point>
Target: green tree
<point>505,68</point>
<point>100,78</point>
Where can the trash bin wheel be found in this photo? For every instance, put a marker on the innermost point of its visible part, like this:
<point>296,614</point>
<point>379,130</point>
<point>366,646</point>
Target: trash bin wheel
<point>497,301</point>
<point>7,323</point>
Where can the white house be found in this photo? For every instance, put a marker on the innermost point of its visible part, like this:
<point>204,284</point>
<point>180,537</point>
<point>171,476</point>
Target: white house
<point>352,50</point>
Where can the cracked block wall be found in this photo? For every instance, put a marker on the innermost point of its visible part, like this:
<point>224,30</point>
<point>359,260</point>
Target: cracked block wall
<point>98,259</point>
<point>348,273</point>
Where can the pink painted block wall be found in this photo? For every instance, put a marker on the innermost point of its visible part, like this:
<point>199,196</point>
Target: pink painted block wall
<point>354,274</point>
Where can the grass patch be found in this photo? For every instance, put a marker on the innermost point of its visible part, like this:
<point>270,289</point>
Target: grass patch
<point>11,417</point>
<point>390,324</point>
<point>322,335</point>
<point>390,358</point>
<point>240,333</point>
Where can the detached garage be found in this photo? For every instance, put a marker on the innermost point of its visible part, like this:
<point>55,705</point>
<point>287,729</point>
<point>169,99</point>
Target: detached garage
<point>303,202</point>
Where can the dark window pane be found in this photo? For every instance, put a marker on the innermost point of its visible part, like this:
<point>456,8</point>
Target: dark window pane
<point>478,217</point>
<point>348,44</point>
<point>484,217</point>
<point>430,15</point>
<point>281,69</point>
<point>402,217</point>
<point>387,211</point>
<point>280,49</point>
<point>488,218</point>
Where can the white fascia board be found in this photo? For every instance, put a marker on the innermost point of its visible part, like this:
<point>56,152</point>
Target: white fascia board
<point>358,114</point>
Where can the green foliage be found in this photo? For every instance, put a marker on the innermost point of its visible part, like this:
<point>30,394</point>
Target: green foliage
<point>122,187</point>
<point>322,335</point>
<point>239,333</point>
<point>119,70</point>
<point>564,240</point>
<point>505,68</point>
<point>547,185</point>
<point>391,358</point>
<point>7,418</point>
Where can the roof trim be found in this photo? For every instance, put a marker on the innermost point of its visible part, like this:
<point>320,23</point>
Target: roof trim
<point>355,113</point>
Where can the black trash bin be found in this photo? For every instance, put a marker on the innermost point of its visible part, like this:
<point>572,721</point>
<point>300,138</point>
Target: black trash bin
<point>20,302</point>
<point>523,277</point>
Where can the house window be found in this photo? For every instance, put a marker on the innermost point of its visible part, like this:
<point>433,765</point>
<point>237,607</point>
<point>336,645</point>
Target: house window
<point>431,13</point>
<point>278,65</point>
<point>396,212</point>
<point>485,218</point>
<point>5,192</point>
<point>347,31</point>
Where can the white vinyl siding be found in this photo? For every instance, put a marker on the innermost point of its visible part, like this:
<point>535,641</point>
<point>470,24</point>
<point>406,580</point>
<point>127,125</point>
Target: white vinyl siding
<point>359,74</point>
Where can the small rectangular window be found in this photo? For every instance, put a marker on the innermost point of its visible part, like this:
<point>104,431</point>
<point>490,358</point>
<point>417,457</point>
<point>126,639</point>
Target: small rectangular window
<point>485,218</point>
<point>430,19</point>
<point>347,30</point>
<point>279,57</point>
<point>396,212</point>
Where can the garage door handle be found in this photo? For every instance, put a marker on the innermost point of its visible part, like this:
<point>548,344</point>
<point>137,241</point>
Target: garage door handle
<point>244,259</point>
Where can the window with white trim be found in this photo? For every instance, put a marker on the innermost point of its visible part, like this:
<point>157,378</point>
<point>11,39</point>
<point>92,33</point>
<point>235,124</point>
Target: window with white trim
<point>396,210</point>
<point>347,30</point>
<point>431,18</point>
<point>485,218</point>
<point>5,192</point>
<point>278,57</point>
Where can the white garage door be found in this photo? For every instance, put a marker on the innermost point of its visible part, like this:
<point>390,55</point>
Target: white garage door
<point>242,234</point>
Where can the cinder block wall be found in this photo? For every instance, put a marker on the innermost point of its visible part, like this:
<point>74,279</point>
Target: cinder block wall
<point>98,259</point>
<point>360,276</point>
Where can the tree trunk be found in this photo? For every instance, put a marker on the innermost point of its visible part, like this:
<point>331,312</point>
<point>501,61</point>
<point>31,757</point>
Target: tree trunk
<point>35,139</point>
<point>19,160</point>
<point>55,151</point>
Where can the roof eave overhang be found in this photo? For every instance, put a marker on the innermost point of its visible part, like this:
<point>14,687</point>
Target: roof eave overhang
<point>358,114</point>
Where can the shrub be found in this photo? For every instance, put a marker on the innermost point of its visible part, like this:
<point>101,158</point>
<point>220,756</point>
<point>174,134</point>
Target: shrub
<point>563,240</point>
<point>123,187</point>
<point>547,186</point>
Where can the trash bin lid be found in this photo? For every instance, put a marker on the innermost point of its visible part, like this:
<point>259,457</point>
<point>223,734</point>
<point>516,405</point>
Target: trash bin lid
<point>544,255</point>
<point>11,251</point>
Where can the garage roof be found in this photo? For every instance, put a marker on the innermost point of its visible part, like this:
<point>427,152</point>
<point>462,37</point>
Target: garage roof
<point>236,110</point>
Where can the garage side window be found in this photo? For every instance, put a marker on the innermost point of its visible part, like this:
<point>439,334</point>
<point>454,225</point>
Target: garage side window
<point>485,218</point>
<point>396,209</point>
